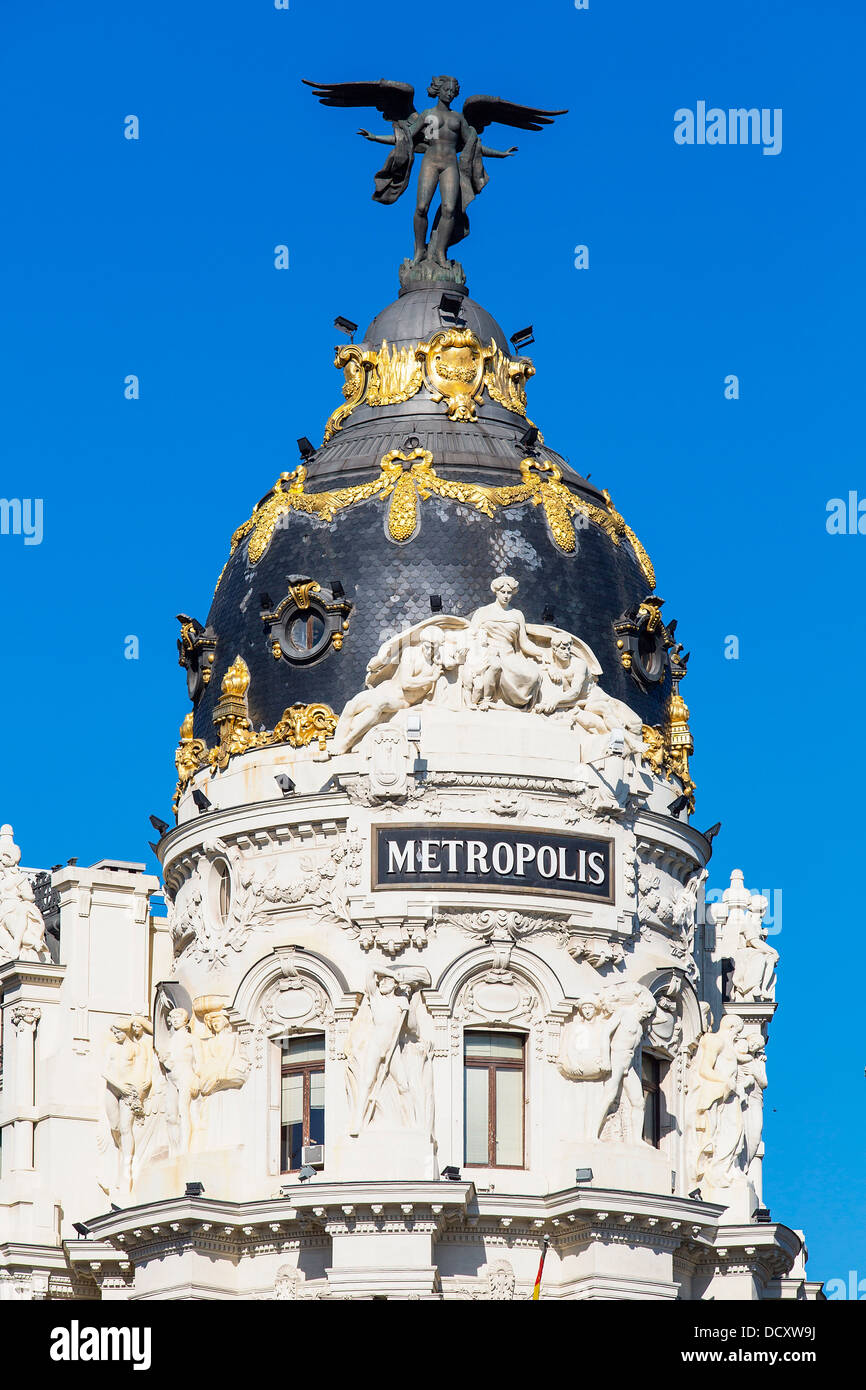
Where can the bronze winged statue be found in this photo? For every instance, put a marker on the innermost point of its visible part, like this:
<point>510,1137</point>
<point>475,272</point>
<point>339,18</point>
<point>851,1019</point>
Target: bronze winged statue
<point>450,142</point>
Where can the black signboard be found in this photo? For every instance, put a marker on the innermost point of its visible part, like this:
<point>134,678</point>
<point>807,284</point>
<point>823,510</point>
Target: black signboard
<point>509,859</point>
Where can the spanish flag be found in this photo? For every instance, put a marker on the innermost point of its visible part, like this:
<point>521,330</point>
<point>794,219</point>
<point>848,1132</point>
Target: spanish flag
<point>536,1292</point>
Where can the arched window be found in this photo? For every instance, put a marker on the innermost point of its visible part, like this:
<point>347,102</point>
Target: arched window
<point>302,1107</point>
<point>494,1091</point>
<point>224,890</point>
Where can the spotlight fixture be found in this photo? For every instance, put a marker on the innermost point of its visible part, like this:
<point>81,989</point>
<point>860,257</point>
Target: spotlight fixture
<point>194,1189</point>
<point>677,807</point>
<point>522,338</point>
<point>529,438</point>
<point>305,448</point>
<point>201,801</point>
<point>265,602</point>
<point>305,1172</point>
<point>616,743</point>
<point>81,1230</point>
<point>70,863</point>
<point>583,1175</point>
<point>451,1173</point>
<point>337,589</point>
<point>160,826</point>
<point>413,728</point>
<point>346,326</point>
<point>696,1195</point>
<point>450,304</point>
<point>548,616</point>
<point>713,831</point>
<point>435,603</point>
<point>154,847</point>
<point>55,867</point>
<point>285,783</point>
<point>761,1215</point>
<point>411,441</point>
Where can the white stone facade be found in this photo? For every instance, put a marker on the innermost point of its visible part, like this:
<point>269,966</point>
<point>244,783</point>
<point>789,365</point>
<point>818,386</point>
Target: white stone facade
<point>277,929</point>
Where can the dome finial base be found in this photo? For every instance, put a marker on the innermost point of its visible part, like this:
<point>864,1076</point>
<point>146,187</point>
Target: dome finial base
<point>427,274</point>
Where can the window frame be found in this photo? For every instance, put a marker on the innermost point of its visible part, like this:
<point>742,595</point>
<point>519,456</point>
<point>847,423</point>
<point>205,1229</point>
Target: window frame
<point>307,1070</point>
<point>491,1065</point>
<point>653,1094</point>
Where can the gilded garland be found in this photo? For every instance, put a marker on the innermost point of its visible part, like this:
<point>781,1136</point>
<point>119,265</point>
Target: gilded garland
<point>406,486</point>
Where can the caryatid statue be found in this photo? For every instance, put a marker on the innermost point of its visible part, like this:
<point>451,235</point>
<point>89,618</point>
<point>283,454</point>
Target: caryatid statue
<point>388,1058</point>
<point>450,142</point>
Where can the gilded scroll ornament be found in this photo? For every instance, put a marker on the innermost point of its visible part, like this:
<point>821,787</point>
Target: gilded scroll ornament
<point>356,365</point>
<point>506,378</point>
<point>190,755</point>
<point>302,724</point>
<point>454,366</point>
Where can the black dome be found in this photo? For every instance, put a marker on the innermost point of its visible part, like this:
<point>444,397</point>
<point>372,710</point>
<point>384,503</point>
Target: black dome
<point>454,551</point>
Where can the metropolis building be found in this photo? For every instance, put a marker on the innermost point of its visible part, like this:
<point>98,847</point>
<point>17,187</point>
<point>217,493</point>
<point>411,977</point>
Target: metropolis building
<point>435,991</point>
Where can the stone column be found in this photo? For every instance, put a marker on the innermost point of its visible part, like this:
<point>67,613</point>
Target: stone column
<point>25,1017</point>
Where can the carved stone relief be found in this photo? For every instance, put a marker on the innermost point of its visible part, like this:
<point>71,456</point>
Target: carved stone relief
<point>323,884</point>
<point>600,1049</point>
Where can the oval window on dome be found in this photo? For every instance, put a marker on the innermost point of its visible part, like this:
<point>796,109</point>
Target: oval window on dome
<point>305,633</point>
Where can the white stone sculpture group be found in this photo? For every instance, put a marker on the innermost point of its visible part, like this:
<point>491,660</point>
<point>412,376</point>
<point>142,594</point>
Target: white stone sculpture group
<point>22,928</point>
<point>155,1099</point>
<point>601,1049</point>
<point>725,1098</point>
<point>741,915</point>
<point>492,660</point>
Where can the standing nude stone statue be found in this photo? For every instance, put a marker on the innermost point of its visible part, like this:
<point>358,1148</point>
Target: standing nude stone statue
<point>178,1063</point>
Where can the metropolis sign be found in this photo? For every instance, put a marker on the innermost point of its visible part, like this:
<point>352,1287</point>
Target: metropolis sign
<point>512,860</point>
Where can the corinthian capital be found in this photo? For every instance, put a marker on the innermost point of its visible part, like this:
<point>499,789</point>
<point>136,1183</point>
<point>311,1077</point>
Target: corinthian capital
<point>26,1016</point>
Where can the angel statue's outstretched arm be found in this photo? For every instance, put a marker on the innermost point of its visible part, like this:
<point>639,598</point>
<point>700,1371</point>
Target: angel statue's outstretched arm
<point>396,101</point>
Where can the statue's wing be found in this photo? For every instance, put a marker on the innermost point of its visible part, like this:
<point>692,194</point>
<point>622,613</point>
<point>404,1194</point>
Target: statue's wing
<point>481,111</point>
<point>396,100</point>
<point>387,659</point>
<point>544,634</point>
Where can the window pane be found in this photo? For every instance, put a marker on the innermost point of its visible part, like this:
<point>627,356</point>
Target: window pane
<point>317,1107</point>
<point>293,1099</point>
<point>475,1118</point>
<point>505,1045</point>
<point>310,1048</point>
<point>509,1118</point>
<point>291,1139</point>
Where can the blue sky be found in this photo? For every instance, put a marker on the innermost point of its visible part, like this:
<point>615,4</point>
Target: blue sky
<point>155,257</point>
